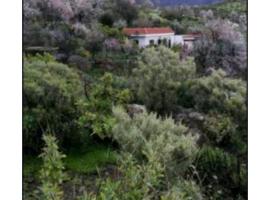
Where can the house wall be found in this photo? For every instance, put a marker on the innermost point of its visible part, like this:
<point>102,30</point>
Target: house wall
<point>144,41</point>
<point>189,44</point>
<point>178,39</point>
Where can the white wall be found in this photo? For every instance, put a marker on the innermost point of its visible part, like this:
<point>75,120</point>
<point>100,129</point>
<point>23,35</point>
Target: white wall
<point>144,41</point>
<point>178,39</point>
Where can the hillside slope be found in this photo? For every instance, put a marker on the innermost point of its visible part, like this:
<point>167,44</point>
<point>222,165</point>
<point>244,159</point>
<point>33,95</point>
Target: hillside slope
<point>184,2</point>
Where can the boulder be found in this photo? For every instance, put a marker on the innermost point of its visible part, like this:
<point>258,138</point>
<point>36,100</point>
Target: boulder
<point>133,109</point>
<point>196,116</point>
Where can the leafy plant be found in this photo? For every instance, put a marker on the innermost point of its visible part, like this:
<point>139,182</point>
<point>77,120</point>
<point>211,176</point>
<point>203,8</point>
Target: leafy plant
<point>147,136</point>
<point>184,190</point>
<point>137,181</point>
<point>51,90</point>
<point>97,113</point>
<point>51,173</point>
<point>158,77</point>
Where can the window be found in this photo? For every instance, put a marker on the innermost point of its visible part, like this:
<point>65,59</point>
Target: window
<point>152,42</point>
<point>136,42</point>
<point>164,42</point>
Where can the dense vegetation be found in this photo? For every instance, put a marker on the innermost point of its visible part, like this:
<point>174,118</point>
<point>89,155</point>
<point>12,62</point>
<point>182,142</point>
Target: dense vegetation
<point>105,120</point>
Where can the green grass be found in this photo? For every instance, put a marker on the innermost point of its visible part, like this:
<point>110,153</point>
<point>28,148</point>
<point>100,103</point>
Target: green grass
<point>89,160</point>
<point>77,160</point>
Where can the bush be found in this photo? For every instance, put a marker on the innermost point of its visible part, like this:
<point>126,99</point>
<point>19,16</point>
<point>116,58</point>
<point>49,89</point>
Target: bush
<point>217,92</point>
<point>216,49</point>
<point>158,77</point>
<point>144,181</point>
<point>147,136</point>
<point>184,190</point>
<point>221,171</point>
<point>224,130</point>
<point>97,111</point>
<point>51,91</point>
<point>218,127</point>
<point>51,173</point>
<point>136,181</point>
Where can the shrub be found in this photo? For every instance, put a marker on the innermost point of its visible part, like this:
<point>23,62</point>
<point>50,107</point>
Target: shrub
<point>158,77</point>
<point>147,136</point>
<point>137,181</point>
<point>184,190</point>
<point>223,101</point>
<point>51,90</point>
<point>217,92</point>
<point>97,111</point>
<point>219,168</point>
<point>144,181</point>
<point>51,173</point>
<point>218,127</point>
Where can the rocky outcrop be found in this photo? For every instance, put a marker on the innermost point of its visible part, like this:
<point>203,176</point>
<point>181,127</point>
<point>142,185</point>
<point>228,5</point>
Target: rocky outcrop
<point>133,109</point>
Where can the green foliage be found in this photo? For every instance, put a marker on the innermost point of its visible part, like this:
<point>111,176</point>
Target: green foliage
<point>221,172</point>
<point>51,173</point>
<point>158,77</point>
<point>112,32</point>
<point>137,181</point>
<point>215,161</point>
<point>224,130</point>
<point>126,10</point>
<point>217,93</point>
<point>78,160</point>
<point>31,166</point>
<point>51,90</point>
<point>97,112</point>
<point>46,57</point>
<point>184,190</point>
<point>225,9</point>
<point>144,181</point>
<point>218,127</point>
<point>163,160</point>
<point>147,136</point>
<point>89,159</point>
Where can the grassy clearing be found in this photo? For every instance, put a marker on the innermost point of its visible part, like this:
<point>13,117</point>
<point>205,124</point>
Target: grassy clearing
<point>89,160</point>
<point>78,160</point>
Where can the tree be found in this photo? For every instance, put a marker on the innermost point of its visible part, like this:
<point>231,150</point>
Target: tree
<point>51,173</point>
<point>158,77</point>
<point>126,10</point>
<point>222,46</point>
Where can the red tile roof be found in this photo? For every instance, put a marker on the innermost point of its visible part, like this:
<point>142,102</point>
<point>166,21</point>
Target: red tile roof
<point>145,31</point>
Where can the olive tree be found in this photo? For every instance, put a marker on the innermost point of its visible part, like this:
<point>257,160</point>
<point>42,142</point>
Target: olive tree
<point>158,76</point>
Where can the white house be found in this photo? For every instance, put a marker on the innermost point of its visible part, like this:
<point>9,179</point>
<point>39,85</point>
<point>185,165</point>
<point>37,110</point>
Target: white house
<point>156,36</point>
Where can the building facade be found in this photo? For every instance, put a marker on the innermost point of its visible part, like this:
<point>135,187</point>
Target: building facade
<point>156,36</point>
